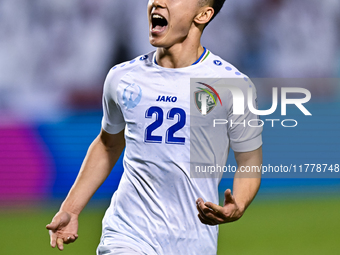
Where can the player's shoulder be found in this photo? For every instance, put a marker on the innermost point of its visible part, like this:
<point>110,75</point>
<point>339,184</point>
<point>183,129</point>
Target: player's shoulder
<point>216,67</point>
<point>132,66</point>
<point>223,68</point>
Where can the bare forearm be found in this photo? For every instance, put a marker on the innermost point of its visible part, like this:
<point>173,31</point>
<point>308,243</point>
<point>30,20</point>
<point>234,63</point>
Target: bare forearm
<point>246,185</point>
<point>96,167</point>
<point>245,190</point>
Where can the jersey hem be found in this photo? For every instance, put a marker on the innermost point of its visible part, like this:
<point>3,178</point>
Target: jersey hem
<point>247,146</point>
<point>112,129</point>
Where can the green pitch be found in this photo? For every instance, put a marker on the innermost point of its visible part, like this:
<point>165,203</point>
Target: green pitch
<point>305,226</point>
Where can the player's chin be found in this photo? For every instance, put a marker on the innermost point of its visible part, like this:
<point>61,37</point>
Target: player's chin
<point>153,41</point>
<point>156,42</point>
<point>158,39</point>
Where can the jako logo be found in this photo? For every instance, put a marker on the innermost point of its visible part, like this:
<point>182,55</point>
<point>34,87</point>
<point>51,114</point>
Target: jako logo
<point>206,100</point>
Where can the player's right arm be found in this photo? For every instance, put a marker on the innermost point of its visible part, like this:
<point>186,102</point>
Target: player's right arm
<point>101,156</point>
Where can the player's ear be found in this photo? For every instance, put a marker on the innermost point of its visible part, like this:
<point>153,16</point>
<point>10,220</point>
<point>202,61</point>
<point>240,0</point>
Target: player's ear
<point>205,15</point>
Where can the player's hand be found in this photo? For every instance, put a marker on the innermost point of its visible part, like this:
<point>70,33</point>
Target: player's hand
<point>63,229</point>
<point>212,214</point>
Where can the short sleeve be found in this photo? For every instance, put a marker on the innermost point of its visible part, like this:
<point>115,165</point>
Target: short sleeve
<point>113,119</point>
<point>245,130</point>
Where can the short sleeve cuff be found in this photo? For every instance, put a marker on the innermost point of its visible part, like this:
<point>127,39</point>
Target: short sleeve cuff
<point>112,128</point>
<point>246,146</point>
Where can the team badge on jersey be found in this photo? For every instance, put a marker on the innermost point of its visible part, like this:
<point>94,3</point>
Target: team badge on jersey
<point>132,96</point>
<point>206,99</point>
<point>205,103</point>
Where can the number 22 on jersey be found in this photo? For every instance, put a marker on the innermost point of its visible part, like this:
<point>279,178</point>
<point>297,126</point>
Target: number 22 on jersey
<point>170,133</point>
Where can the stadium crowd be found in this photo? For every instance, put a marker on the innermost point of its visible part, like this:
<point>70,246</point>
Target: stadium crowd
<point>56,53</point>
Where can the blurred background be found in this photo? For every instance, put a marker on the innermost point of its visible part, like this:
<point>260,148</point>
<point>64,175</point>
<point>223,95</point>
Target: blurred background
<point>54,56</point>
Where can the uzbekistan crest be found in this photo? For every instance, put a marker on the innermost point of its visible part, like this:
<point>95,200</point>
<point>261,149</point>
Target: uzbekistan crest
<point>206,98</point>
<point>132,96</point>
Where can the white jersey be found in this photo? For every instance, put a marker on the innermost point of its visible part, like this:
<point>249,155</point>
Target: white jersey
<point>154,207</point>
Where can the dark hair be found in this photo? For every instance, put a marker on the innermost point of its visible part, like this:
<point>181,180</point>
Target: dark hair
<point>215,4</point>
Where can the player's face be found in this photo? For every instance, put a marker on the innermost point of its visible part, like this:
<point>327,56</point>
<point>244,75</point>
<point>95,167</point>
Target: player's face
<point>170,21</point>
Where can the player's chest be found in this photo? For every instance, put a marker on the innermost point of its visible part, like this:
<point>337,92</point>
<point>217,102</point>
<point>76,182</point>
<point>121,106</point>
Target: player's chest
<point>156,109</point>
<point>138,94</point>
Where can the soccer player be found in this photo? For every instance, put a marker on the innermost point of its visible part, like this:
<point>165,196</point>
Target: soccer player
<point>158,208</point>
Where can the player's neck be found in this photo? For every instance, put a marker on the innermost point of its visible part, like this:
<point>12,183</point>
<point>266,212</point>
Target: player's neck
<point>179,55</point>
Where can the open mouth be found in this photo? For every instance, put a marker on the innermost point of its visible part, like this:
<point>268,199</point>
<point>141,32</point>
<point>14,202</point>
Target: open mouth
<point>159,23</point>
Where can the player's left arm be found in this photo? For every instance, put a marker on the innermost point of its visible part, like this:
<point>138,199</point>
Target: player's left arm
<point>245,187</point>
